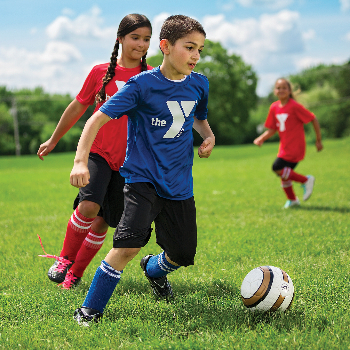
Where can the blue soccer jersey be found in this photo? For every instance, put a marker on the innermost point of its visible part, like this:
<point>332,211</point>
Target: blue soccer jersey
<point>160,139</point>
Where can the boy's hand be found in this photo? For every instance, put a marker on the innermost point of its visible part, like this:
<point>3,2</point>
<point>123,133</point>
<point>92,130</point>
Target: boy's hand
<point>206,147</point>
<point>79,176</point>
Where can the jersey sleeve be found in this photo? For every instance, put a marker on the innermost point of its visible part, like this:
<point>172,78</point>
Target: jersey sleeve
<point>89,90</point>
<point>304,114</point>
<point>270,122</point>
<point>123,102</point>
<point>201,111</point>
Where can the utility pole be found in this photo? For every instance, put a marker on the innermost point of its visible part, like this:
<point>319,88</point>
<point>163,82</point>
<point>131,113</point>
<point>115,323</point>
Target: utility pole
<point>15,126</point>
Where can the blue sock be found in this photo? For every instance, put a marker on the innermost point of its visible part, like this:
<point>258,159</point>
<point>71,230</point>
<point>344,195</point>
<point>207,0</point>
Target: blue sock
<point>102,287</point>
<point>158,266</point>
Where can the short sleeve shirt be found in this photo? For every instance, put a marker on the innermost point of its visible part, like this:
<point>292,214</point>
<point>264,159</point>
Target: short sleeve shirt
<point>110,141</point>
<point>289,121</point>
<point>160,138</point>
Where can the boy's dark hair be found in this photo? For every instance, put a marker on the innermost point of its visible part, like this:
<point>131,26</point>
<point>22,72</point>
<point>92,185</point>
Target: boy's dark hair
<point>177,26</point>
<point>127,25</point>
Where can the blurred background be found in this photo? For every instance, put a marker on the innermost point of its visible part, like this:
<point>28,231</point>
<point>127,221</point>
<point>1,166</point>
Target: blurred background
<point>47,48</point>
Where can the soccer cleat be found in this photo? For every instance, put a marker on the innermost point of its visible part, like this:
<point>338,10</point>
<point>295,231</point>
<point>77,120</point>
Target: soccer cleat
<point>85,316</point>
<point>292,203</point>
<point>70,281</point>
<point>161,286</point>
<point>308,187</point>
<point>58,271</point>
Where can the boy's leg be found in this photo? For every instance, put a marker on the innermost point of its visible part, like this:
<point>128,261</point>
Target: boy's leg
<point>103,284</point>
<point>176,231</point>
<point>126,244</point>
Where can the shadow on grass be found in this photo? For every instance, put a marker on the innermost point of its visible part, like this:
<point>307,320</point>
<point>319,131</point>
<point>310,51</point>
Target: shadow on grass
<point>315,207</point>
<point>201,307</point>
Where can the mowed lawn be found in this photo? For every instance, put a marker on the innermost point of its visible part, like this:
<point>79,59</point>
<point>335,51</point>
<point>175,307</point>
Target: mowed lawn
<point>241,225</point>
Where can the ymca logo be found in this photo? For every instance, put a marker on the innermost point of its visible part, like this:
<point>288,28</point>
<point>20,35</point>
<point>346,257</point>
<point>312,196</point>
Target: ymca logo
<point>119,84</point>
<point>179,111</point>
<point>282,119</point>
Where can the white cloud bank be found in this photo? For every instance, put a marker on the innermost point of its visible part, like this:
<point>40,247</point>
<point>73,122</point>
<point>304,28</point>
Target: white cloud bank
<point>258,41</point>
<point>273,44</point>
<point>345,5</point>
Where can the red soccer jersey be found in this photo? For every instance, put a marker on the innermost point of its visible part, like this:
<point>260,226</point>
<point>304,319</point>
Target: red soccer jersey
<point>110,141</point>
<point>289,120</point>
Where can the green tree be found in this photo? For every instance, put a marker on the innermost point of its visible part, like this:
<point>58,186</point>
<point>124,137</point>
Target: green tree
<point>232,94</point>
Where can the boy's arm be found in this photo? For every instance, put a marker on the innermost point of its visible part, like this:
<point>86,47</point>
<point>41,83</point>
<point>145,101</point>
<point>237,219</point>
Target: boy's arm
<point>264,136</point>
<point>79,176</point>
<point>317,128</point>
<point>203,129</point>
<point>69,117</point>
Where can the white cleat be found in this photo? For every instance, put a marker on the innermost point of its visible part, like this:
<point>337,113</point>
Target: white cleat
<point>308,187</point>
<point>290,203</point>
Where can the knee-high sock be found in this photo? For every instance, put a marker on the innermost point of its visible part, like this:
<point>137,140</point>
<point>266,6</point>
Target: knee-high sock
<point>158,266</point>
<point>290,174</point>
<point>102,286</point>
<point>288,189</point>
<point>77,229</point>
<point>91,245</point>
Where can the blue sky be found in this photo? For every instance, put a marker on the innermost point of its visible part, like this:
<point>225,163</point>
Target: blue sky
<point>54,44</point>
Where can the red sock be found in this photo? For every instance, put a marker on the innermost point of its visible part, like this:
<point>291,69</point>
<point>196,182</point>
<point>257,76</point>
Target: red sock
<point>288,189</point>
<point>77,229</point>
<point>290,174</point>
<point>91,245</point>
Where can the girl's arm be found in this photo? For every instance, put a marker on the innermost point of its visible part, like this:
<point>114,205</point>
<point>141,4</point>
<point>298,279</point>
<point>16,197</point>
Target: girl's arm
<point>264,136</point>
<point>79,176</point>
<point>203,129</point>
<point>70,116</point>
<point>317,128</point>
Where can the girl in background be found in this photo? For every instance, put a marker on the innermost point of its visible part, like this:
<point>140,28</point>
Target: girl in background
<point>288,118</point>
<point>100,204</point>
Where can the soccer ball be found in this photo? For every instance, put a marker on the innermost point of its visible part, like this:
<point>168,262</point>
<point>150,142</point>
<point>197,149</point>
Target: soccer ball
<point>267,288</point>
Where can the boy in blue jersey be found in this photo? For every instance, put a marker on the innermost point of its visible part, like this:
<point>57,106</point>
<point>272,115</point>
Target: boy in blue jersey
<point>163,105</point>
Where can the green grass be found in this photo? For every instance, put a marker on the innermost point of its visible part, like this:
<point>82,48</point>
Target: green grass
<point>240,226</point>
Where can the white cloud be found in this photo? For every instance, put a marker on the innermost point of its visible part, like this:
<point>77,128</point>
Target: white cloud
<point>271,4</point>
<point>85,26</point>
<point>49,68</point>
<point>347,36</point>
<point>308,61</point>
<point>309,35</point>
<point>345,5</point>
<point>156,26</point>
<point>259,41</point>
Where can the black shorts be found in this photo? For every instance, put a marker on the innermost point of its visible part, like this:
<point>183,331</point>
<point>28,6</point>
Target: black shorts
<point>105,188</point>
<point>280,163</point>
<point>175,223</point>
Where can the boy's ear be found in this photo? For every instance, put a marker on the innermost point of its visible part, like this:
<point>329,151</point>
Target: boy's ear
<point>164,46</point>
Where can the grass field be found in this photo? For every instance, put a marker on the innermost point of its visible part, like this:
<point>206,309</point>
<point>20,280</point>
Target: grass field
<point>241,225</point>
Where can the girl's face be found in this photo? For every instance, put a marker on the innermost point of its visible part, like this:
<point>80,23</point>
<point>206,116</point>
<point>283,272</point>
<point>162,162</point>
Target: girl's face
<point>182,57</point>
<point>136,43</point>
<point>282,90</point>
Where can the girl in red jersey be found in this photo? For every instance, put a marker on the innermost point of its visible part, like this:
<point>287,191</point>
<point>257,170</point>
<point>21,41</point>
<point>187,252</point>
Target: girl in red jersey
<point>99,204</point>
<point>288,118</point>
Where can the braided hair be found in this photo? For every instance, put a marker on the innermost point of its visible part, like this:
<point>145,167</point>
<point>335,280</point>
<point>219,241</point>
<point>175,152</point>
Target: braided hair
<point>127,25</point>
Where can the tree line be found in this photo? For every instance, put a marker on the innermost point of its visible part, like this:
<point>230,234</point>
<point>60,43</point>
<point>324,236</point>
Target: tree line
<point>236,114</point>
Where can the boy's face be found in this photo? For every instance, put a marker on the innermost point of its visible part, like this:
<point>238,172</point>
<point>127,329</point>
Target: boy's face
<point>182,57</point>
